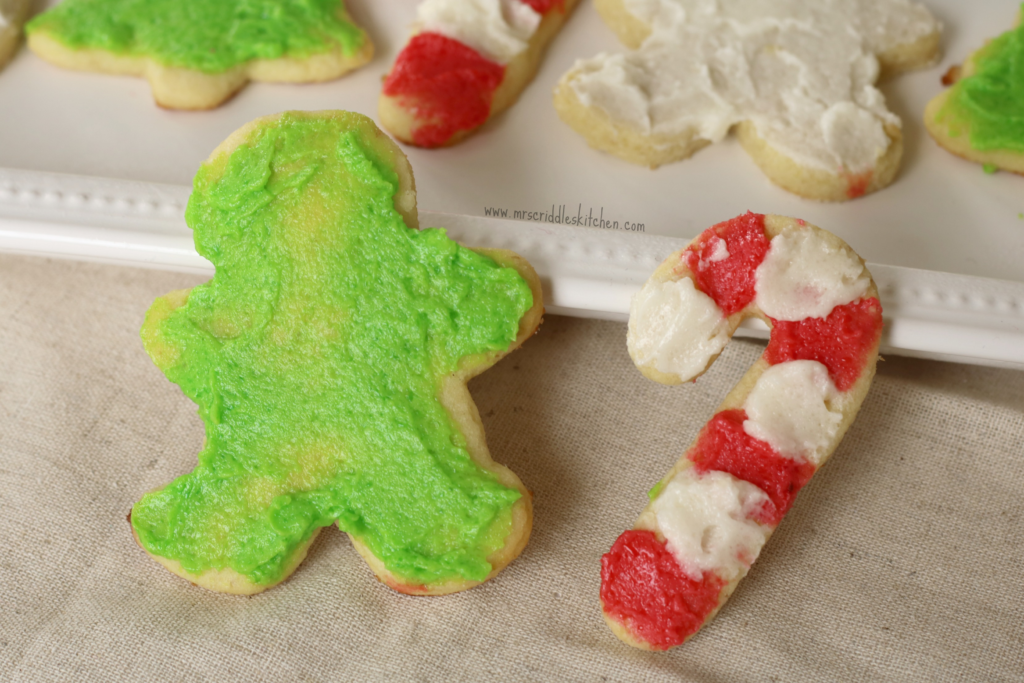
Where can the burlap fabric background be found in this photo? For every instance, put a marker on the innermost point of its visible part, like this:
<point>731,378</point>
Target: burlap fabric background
<point>901,560</point>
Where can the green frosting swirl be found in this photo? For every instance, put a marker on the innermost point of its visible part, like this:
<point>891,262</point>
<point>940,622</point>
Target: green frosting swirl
<point>990,102</point>
<point>205,35</point>
<point>316,355</point>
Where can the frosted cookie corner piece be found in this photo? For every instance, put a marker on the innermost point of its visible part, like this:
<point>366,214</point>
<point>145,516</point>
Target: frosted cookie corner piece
<point>981,116</point>
<point>795,81</point>
<point>223,44</point>
<point>465,62</point>
<point>711,514</point>
<point>13,14</point>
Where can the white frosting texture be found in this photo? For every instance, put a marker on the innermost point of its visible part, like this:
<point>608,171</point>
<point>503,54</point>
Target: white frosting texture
<point>802,72</point>
<point>705,519</point>
<point>675,327</point>
<point>497,29</point>
<point>804,276</point>
<point>796,409</point>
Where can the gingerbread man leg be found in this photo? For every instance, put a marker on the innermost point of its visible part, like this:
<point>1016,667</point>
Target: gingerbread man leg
<point>710,515</point>
<point>329,357</point>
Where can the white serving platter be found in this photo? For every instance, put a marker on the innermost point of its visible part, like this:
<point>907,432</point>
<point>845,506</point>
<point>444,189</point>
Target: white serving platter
<point>91,169</point>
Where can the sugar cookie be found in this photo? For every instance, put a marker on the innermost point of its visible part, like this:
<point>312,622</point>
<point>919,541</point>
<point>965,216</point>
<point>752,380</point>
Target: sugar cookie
<point>710,515</point>
<point>12,15</point>
<point>198,53</point>
<point>981,117</point>
<point>329,357</point>
<point>466,61</point>
<point>795,79</point>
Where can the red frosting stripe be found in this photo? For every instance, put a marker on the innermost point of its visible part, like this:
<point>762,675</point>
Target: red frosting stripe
<point>857,184</point>
<point>542,7</point>
<point>450,86</point>
<point>730,282</point>
<point>725,447</point>
<point>840,342</point>
<point>644,588</point>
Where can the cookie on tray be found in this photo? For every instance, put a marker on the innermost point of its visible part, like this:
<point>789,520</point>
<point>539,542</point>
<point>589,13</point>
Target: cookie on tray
<point>795,80</point>
<point>329,357</point>
<point>467,61</point>
<point>198,53</point>
<point>981,117</point>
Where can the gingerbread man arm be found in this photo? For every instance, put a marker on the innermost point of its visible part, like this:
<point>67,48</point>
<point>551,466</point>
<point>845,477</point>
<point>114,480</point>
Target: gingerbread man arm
<point>795,81</point>
<point>710,515</point>
<point>338,393</point>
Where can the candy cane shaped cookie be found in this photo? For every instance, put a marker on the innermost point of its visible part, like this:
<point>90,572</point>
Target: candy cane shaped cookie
<point>710,515</point>
<point>466,61</point>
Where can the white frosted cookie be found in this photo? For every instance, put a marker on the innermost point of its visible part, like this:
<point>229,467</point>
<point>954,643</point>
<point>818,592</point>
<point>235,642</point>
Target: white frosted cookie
<point>466,61</point>
<point>198,53</point>
<point>796,80</point>
<point>711,514</point>
<point>12,15</point>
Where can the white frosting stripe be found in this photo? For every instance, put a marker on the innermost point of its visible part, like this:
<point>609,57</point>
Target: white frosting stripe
<point>707,521</point>
<point>805,276</point>
<point>795,408</point>
<point>497,29</point>
<point>676,328</point>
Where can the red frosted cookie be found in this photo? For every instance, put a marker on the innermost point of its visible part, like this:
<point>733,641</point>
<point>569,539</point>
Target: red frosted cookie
<point>711,514</point>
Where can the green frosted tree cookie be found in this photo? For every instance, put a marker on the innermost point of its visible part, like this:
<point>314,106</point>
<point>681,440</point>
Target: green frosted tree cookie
<point>198,53</point>
<point>329,357</point>
<point>981,117</point>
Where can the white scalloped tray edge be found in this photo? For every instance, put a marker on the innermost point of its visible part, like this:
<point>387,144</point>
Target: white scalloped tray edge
<point>586,272</point>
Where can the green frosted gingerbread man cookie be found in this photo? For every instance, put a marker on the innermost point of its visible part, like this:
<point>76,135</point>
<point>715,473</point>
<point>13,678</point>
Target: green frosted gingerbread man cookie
<point>198,53</point>
<point>329,357</point>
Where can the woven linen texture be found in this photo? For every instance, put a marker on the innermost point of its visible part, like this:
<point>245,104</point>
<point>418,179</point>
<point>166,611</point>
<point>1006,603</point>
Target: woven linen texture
<point>900,560</point>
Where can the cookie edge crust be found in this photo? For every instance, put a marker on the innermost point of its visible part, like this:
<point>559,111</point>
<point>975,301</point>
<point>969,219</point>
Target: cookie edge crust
<point>674,268</point>
<point>453,394</point>
<point>397,113</point>
<point>190,89</point>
